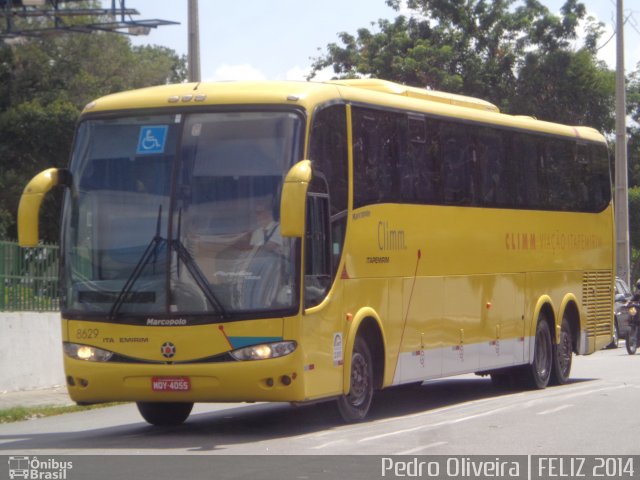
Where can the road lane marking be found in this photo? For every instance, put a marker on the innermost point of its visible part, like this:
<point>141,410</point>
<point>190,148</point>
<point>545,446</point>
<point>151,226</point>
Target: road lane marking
<point>554,410</point>
<point>434,425</point>
<point>597,390</point>
<point>566,395</point>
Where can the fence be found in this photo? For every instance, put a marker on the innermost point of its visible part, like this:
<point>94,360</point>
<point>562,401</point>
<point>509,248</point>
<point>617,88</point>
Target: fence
<point>29,278</point>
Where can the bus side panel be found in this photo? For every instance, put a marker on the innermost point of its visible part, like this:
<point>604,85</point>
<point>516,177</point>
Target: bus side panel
<point>461,324</point>
<point>424,330</point>
<point>501,305</point>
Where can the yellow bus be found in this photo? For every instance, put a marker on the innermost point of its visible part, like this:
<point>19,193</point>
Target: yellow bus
<point>303,242</point>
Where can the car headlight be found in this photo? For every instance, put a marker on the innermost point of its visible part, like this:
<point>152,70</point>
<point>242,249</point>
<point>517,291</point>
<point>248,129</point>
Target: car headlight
<point>632,311</point>
<point>264,351</point>
<point>85,352</point>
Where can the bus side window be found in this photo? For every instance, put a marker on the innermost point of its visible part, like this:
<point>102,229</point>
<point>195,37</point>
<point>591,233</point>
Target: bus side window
<point>528,176</point>
<point>488,164</point>
<point>317,270</point>
<point>598,176</point>
<point>456,161</point>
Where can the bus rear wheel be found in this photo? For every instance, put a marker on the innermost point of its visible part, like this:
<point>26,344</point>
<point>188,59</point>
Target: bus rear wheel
<point>164,414</point>
<point>354,406</point>
<point>538,373</point>
<point>562,355</point>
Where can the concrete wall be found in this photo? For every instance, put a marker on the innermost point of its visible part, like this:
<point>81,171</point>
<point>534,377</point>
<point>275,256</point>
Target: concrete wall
<point>30,351</point>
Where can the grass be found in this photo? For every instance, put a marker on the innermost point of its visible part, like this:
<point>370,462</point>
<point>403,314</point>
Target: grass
<point>19,414</point>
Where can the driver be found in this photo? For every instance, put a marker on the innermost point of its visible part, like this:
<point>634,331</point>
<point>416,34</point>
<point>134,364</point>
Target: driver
<point>267,234</point>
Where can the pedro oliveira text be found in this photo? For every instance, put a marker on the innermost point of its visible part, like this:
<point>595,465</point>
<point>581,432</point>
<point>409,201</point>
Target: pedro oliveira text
<point>453,467</point>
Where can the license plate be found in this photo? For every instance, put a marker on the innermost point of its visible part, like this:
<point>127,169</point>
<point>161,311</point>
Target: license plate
<point>171,384</point>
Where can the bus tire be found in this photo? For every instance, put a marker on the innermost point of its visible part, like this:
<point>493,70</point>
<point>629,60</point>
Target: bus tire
<point>562,355</point>
<point>354,406</point>
<point>538,373</point>
<point>164,414</point>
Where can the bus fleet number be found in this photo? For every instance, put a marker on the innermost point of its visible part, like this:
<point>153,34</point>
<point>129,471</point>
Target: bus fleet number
<point>87,333</point>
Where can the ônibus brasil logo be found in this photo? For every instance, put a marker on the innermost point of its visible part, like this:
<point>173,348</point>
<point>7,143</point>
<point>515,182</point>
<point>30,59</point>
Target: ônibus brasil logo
<point>35,469</point>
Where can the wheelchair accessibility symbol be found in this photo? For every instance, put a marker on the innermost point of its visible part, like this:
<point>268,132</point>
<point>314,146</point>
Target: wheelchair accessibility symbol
<point>152,139</point>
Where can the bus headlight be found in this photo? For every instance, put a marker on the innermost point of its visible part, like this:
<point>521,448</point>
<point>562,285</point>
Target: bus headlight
<point>85,352</point>
<point>264,351</point>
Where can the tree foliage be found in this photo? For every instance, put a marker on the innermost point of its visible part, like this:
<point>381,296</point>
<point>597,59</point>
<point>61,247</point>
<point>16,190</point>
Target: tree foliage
<point>633,110</point>
<point>566,87</point>
<point>518,55</point>
<point>44,85</point>
<point>633,160</point>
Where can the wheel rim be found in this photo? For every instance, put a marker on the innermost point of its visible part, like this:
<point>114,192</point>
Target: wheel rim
<point>564,353</point>
<point>360,380</point>
<point>543,355</point>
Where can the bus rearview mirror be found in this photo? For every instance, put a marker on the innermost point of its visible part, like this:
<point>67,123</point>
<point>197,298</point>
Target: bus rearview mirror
<point>293,199</point>
<point>31,200</point>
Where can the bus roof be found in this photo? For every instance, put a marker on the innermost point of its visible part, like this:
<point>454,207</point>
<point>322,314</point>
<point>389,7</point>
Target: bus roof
<point>310,94</point>
<point>418,93</point>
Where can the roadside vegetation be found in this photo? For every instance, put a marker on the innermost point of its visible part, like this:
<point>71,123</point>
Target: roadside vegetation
<point>19,414</point>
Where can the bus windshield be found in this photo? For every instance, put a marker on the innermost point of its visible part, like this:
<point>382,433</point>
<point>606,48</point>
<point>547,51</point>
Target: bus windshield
<point>179,215</point>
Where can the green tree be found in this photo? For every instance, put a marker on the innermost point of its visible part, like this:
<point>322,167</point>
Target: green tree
<point>633,110</point>
<point>44,85</point>
<point>567,87</point>
<point>634,231</point>
<point>32,138</point>
<point>633,161</point>
<point>486,49</point>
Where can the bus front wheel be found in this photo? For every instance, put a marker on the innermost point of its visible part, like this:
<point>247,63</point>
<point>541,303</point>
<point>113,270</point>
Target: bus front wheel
<point>164,414</point>
<point>355,405</point>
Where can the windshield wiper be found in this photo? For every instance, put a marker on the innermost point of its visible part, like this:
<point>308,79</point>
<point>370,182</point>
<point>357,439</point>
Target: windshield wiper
<point>150,251</point>
<point>183,256</point>
<point>198,276</point>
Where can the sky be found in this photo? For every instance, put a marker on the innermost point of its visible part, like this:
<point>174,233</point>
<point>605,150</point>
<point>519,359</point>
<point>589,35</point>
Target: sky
<point>278,39</point>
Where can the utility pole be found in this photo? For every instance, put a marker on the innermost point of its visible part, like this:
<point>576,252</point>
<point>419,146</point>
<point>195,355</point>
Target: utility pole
<point>621,182</point>
<point>193,57</point>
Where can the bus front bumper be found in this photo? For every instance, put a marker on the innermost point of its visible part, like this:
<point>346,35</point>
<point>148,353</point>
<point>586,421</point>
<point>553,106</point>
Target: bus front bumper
<point>278,380</point>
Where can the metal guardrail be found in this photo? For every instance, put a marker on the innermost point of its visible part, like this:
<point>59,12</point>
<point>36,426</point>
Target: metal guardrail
<point>29,278</point>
